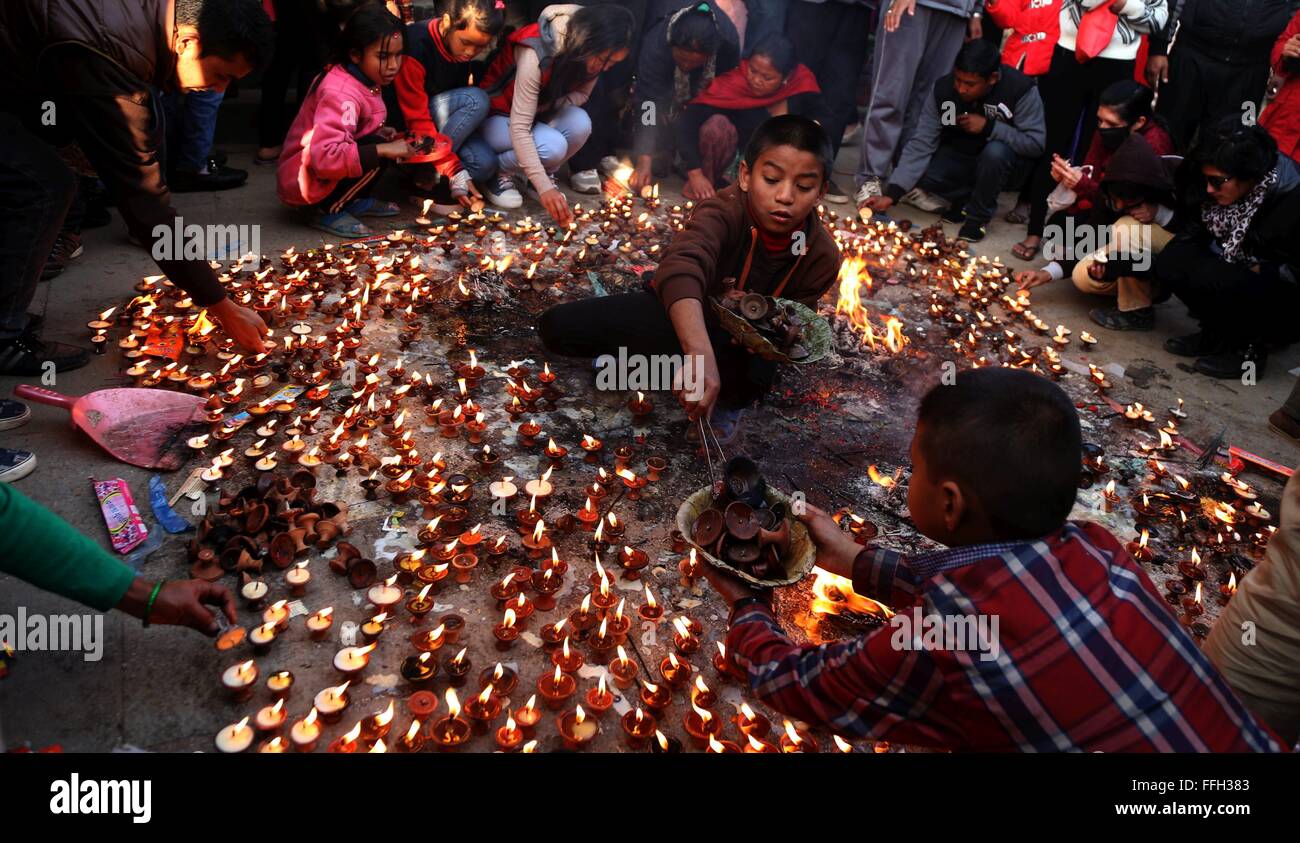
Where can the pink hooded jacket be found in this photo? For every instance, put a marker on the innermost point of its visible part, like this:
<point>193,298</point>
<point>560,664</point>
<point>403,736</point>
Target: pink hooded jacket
<point>321,148</point>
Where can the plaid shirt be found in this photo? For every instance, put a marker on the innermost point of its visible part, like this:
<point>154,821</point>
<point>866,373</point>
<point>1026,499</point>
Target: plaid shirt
<point>1089,657</point>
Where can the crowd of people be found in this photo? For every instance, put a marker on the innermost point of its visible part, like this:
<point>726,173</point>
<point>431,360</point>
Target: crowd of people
<point>1171,127</point>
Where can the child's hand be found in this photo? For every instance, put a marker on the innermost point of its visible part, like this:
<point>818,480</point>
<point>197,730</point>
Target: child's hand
<point>703,394</point>
<point>396,149</point>
<point>557,206</point>
<point>730,588</point>
<point>836,550</point>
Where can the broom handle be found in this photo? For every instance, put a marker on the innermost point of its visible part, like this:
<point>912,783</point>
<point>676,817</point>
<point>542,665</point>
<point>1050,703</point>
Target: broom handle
<point>45,396</point>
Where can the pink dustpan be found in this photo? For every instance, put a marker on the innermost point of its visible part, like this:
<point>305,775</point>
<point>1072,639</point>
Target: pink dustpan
<point>144,427</point>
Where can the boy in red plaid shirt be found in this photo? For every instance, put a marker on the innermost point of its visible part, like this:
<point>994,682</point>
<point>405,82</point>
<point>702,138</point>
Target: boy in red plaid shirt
<point>1087,656</point>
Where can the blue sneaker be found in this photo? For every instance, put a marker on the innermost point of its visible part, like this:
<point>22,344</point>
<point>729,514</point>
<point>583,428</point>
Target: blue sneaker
<point>15,464</point>
<point>13,413</point>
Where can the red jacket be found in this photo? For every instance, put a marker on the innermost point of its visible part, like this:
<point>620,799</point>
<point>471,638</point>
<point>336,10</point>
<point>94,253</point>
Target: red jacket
<point>1282,118</point>
<point>1035,28</point>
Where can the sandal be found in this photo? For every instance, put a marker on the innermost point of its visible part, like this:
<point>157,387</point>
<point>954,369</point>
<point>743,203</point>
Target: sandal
<point>1027,253</point>
<point>1016,216</point>
<point>341,224</point>
<point>367,207</point>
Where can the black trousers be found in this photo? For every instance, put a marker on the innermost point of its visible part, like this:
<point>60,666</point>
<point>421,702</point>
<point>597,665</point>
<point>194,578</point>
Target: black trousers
<point>1201,91</point>
<point>1229,300</point>
<point>972,181</point>
<point>639,324</point>
<point>349,189</point>
<point>36,190</point>
<point>299,33</point>
<point>609,95</point>
<point>831,40</point>
<point>1070,94</point>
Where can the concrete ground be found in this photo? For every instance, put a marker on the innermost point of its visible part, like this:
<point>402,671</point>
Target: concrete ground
<point>149,689</point>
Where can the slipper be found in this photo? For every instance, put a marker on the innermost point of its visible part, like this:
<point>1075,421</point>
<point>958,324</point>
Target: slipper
<point>341,224</point>
<point>1015,217</point>
<point>367,207</point>
<point>1026,253</point>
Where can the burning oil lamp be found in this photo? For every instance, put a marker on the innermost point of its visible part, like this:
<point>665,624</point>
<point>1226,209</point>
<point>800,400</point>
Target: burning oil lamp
<point>663,744</point>
<point>1109,497</point>
<point>623,669</point>
<point>503,491</point>
<point>527,716</point>
<point>400,487</point>
<point>701,724</point>
<point>500,678</point>
<point>499,547</point>
<point>261,638</point>
<point>271,718</point>
<point>754,745</point>
<point>794,740</point>
<point>1228,589</point>
<point>689,568</point>
<point>509,737</point>
<point>576,728</point>
<point>457,668</point>
<point>373,628</point>
<point>235,738</point>
<point>556,688</point>
<point>1192,568</point>
<point>385,595</point>
<point>506,633</point>
<point>584,617</point>
<point>650,610</point>
<point>588,516</point>
<point>451,732</point>
<point>685,642</point>
<point>702,695</point>
<point>273,745</point>
<point>566,658</point>
<point>428,642</point>
<point>674,671</point>
<point>370,484</point>
<point>640,407</point>
<point>412,740</point>
<point>419,670</point>
<point>280,684</point>
<point>553,634</point>
<point>717,747</point>
<point>638,727</point>
<point>750,723</point>
<point>305,733</point>
<point>483,709</point>
<point>297,577</point>
<point>537,542</point>
<point>593,447</point>
<point>319,623</point>
<point>541,488</point>
<point>331,702</point>
<point>1139,550</point>
<point>1192,605</point>
<point>238,680</point>
<point>528,432</point>
<point>352,660</point>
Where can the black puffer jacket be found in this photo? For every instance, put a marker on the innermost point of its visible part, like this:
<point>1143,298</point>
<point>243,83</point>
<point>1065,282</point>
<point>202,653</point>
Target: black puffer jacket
<point>1231,31</point>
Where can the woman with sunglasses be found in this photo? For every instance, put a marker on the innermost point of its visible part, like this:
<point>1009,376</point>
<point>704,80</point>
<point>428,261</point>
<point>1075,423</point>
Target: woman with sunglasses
<point>1236,262</point>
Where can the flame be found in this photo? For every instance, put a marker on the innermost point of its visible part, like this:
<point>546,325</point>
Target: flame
<point>386,716</point>
<point>453,704</point>
<point>352,734</point>
<point>792,734</point>
<point>878,478</point>
<point>833,594</point>
<point>415,726</point>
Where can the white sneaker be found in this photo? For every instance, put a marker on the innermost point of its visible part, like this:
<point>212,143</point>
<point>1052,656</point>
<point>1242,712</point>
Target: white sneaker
<point>503,194</point>
<point>870,189</point>
<point>609,165</point>
<point>924,200</point>
<point>585,181</point>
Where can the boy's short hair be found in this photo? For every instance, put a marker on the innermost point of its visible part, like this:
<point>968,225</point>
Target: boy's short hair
<point>1010,438</point>
<point>795,130</point>
<point>980,57</point>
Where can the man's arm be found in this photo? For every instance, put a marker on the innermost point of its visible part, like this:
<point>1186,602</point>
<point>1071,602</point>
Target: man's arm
<point>918,151</point>
<point>1028,135</point>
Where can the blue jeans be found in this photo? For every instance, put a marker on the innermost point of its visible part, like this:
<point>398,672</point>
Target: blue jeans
<point>458,112</point>
<point>191,126</point>
<point>490,149</point>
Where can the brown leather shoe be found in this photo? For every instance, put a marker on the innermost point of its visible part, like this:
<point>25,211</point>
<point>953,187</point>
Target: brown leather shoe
<point>1285,426</point>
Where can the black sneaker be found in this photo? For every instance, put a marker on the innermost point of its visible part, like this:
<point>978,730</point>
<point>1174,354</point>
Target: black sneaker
<point>27,355</point>
<point>13,413</point>
<point>836,194</point>
<point>1199,344</point>
<point>953,214</point>
<point>216,178</point>
<point>971,232</point>
<point>15,464</point>
<point>1231,365</point>
<point>66,249</point>
<point>1114,319</point>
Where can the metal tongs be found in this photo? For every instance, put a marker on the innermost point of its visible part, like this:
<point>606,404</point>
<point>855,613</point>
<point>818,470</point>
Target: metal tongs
<point>706,433</point>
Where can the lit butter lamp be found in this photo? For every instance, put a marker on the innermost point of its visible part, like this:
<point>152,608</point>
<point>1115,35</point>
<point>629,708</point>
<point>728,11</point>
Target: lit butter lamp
<point>576,728</point>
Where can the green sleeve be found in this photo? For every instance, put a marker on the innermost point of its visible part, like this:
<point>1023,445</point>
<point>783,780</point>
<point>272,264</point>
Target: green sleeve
<point>41,548</point>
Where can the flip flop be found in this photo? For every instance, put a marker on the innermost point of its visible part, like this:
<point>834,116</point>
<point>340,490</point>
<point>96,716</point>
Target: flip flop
<point>341,224</point>
<point>1026,253</point>
<point>1015,217</point>
<point>367,207</point>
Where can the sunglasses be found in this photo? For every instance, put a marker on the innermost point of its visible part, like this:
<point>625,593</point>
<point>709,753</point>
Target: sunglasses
<point>1217,182</point>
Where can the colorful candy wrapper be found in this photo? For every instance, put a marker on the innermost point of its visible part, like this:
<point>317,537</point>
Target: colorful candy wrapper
<point>125,527</point>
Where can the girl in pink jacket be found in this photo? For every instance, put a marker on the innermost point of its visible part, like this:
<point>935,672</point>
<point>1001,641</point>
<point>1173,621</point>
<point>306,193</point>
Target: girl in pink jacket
<point>338,144</point>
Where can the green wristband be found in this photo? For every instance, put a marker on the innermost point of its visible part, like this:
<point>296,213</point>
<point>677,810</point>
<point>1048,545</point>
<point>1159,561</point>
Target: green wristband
<point>153,595</point>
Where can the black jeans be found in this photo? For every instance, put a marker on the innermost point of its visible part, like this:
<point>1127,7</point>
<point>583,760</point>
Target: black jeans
<point>639,324</point>
<point>1070,94</point>
<point>350,189</point>
<point>972,181</point>
<point>36,190</point>
<point>1202,91</point>
<point>1228,299</point>
<point>830,39</point>
<point>299,32</point>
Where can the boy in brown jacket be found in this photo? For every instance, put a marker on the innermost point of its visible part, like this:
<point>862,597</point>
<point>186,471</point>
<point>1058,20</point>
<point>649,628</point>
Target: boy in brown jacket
<point>764,233</point>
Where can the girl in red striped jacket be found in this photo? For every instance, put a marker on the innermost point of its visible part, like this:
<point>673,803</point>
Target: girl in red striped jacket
<point>1035,28</point>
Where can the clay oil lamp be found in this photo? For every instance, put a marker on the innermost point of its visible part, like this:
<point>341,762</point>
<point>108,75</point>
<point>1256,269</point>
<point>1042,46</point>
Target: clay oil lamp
<point>528,432</point>
<point>599,699</point>
<point>1192,567</point>
<point>523,608</point>
<point>689,566</point>
<point>1139,550</point>
<point>567,658</point>
<point>576,728</point>
<point>753,745</point>
<point>541,488</point>
<point>504,589</point>
<point>700,725</point>
<point>725,665</point>
<point>421,604</point>
<point>640,407</point>
<point>638,727</point>
<point>458,668</point>
<point>297,577</point>
<point>280,684</point>
<point>1193,605</point>
<point>1228,589</point>
<point>433,573</point>
<point>1109,497</point>
<point>717,747</point>
<point>702,695</point>
<point>501,679</point>
<point>750,723</point>
<point>509,737</point>
<point>474,429</point>
<point>451,732</point>
<point>506,632</point>
<point>451,422</point>
<point>632,560</point>
<point>528,715</point>
<point>602,643</point>
<point>319,623</point>
<point>499,547</point>
<point>239,680</point>
<point>332,703</point>
<point>431,641</point>
<point>463,564</point>
<point>556,688</point>
<point>277,615</point>
<point>537,542</point>
<point>1144,507</point>
<point>795,740</point>
<point>650,610</point>
<point>663,744</point>
<point>373,628</point>
<point>400,487</point>
<point>1256,514</point>
<point>675,671</point>
<point>305,733</point>
<point>235,738</point>
<point>503,491</point>
<point>419,670</point>
<point>588,516</point>
<point>385,595</point>
<point>623,669</point>
<point>412,740</point>
<point>261,638</point>
<point>376,726</point>
<point>655,466</point>
<point>585,617</point>
<point>371,484</point>
<point>447,552</point>
<point>603,597</point>
<point>593,447</point>
<point>350,661</point>
<point>254,592</point>
<point>620,623</point>
<point>483,709</point>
